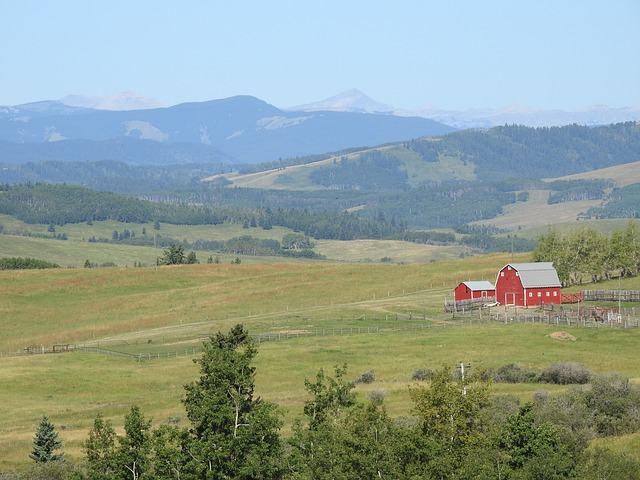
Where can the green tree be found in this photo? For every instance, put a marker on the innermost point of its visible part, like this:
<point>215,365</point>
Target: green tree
<point>135,447</point>
<point>344,439</point>
<point>451,421</point>
<point>523,440</point>
<point>100,450</point>
<point>45,442</point>
<point>174,255</point>
<point>296,241</point>
<point>191,258</point>
<point>168,453</point>
<point>451,409</point>
<point>330,395</point>
<point>232,434</point>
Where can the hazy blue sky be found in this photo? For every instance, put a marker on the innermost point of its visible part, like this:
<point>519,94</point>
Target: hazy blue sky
<point>454,54</point>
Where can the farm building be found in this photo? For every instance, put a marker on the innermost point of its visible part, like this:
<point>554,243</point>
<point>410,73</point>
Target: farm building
<point>528,284</point>
<point>475,289</point>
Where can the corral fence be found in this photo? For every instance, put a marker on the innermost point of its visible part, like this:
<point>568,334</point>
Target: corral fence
<point>462,306</point>
<point>611,295</point>
<point>584,316</point>
<point>453,306</point>
<point>144,356</point>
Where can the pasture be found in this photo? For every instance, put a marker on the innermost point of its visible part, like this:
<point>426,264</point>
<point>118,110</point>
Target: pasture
<point>164,309</point>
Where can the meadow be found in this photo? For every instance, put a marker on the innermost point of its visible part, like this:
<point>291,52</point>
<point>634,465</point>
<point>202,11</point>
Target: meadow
<point>173,308</point>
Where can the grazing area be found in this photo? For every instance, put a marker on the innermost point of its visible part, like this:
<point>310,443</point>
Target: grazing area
<point>385,322</point>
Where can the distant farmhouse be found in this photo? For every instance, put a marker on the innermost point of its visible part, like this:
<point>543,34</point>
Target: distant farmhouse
<point>528,284</point>
<point>473,290</point>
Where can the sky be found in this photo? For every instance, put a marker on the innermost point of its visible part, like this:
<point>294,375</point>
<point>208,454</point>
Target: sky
<point>452,54</point>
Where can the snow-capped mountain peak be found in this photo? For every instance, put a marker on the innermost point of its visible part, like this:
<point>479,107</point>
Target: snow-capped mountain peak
<point>350,101</point>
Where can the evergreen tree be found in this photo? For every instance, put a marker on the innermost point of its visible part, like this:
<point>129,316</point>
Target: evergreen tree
<point>45,442</point>
<point>192,258</point>
<point>174,255</point>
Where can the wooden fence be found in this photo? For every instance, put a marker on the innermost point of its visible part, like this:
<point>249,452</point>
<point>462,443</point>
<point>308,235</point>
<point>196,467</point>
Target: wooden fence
<point>611,295</point>
<point>469,304</point>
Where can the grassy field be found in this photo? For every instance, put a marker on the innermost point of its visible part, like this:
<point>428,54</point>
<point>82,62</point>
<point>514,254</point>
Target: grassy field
<point>146,310</point>
<point>622,175</point>
<point>29,242</point>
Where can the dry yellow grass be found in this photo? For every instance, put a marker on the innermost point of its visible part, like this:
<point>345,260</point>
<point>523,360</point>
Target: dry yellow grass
<point>622,175</point>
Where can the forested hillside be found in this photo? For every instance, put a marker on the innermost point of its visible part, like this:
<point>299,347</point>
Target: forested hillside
<point>513,151</point>
<point>57,205</point>
<point>425,183</point>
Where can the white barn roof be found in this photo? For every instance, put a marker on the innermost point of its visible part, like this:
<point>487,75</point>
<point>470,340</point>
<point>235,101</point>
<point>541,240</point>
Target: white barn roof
<point>479,285</point>
<point>536,274</point>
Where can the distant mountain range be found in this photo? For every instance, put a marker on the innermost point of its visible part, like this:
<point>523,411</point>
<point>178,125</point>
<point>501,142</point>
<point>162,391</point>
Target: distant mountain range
<point>237,130</point>
<point>138,130</point>
<point>356,101</point>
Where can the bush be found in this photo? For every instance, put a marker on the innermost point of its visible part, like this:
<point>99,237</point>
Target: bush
<point>422,374</point>
<point>565,374</point>
<point>377,397</point>
<point>512,373</point>
<point>366,377</point>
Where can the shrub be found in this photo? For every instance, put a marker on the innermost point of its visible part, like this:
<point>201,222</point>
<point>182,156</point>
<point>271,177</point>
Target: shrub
<point>367,377</point>
<point>512,373</point>
<point>422,374</point>
<point>377,397</point>
<point>565,374</point>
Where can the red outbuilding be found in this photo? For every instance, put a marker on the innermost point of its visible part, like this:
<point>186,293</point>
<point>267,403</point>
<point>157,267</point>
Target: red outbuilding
<point>528,284</point>
<point>475,289</point>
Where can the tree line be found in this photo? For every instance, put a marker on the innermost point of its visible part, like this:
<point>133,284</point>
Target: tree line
<point>26,263</point>
<point>456,430</point>
<point>587,255</point>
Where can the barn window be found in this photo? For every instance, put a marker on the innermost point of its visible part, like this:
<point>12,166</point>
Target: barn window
<point>517,274</point>
<point>502,274</point>
<point>555,294</point>
<point>547,294</point>
<point>539,294</point>
<point>531,294</point>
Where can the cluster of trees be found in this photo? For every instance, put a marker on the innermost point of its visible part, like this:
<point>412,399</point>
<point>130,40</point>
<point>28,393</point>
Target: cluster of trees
<point>586,254</point>
<point>622,203</point>
<point>175,255</point>
<point>372,170</point>
<point>576,190</point>
<point>457,431</point>
<point>26,263</point>
<point>112,175</point>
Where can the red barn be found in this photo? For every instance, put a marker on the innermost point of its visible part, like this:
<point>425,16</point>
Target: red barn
<point>528,284</point>
<point>476,289</point>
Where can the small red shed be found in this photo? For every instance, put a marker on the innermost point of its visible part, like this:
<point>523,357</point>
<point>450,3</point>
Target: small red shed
<point>528,284</point>
<point>475,289</point>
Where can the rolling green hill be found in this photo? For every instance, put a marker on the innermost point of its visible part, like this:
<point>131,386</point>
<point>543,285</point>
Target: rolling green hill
<point>382,318</point>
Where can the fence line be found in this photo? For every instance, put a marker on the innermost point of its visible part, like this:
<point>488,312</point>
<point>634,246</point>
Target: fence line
<point>569,318</point>
<point>611,295</point>
<point>468,304</point>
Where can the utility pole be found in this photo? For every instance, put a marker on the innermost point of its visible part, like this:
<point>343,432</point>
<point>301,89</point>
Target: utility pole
<point>464,386</point>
